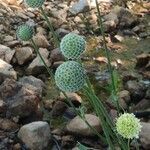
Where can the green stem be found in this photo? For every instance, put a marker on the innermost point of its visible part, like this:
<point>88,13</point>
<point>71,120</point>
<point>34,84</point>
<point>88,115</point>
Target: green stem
<point>39,54</point>
<point>52,76</point>
<point>101,117</point>
<point>110,125</point>
<point>94,102</point>
<point>99,103</point>
<point>57,42</point>
<point>108,56</point>
<point>93,129</point>
<point>137,145</point>
<point>128,144</point>
<point>105,113</point>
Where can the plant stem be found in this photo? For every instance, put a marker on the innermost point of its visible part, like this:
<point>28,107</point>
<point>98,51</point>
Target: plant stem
<point>101,117</point>
<point>137,145</point>
<point>114,91</point>
<point>56,39</point>
<point>100,23</point>
<point>41,57</point>
<point>94,102</point>
<point>84,119</point>
<point>128,144</point>
<point>71,104</point>
<point>98,105</point>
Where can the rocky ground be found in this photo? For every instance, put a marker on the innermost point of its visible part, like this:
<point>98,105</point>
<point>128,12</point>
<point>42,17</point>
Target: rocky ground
<point>33,114</point>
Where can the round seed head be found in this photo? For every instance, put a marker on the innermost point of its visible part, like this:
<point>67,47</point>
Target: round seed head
<point>128,126</point>
<point>69,76</point>
<point>24,32</point>
<point>72,46</point>
<point>34,3</point>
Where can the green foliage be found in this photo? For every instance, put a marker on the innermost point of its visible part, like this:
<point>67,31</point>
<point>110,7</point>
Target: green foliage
<point>25,32</point>
<point>34,3</point>
<point>72,46</point>
<point>69,76</point>
<point>128,126</point>
<point>82,147</point>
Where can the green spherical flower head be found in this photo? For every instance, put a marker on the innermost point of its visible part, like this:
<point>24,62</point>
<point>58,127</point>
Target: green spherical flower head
<point>128,126</point>
<point>34,3</point>
<point>72,46</point>
<point>25,32</point>
<point>69,76</point>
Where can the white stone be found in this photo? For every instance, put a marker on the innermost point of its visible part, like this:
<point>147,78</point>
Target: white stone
<point>6,53</point>
<point>93,2</point>
<point>37,66</point>
<point>80,6</point>
<point>145,135</point>
<point>32,83</point>
<point>78,126</point>
<point>41,41</point>
<point>105,1</point>
<point>35,135</point>
<point>6,71</point>
<point>23,55</point>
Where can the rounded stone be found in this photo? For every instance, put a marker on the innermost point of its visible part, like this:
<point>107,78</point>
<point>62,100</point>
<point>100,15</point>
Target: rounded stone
<point>78,126</point>
<point>35,135</point>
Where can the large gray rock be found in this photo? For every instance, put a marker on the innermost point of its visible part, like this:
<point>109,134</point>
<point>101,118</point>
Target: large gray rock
<point>142,105</point>
<point>6,71</point>
<point>8,38</point>
<point>32,83</point>
<point>23,55</point>
<point>148,93</point>
<point>20,101</point>
<point>143,61</point>
<point>56,55</point>
<point>35,135</point>
<point>93,2</point>
<point>58,108</point>
<point>8,125</point>
<point>80,6</point>
<point>78,126</point>
<point>2,107</point>
<point>125,16</point>
<point>62,32</point>
<point>41,41</point>
<point>119,16</point>
<point>137,90</point>
<point>37,67</point>
<point>111,21</point>
<point>125,95</point>
<point>85,5</point>
<point>145,135</point>
<point>6,53</point>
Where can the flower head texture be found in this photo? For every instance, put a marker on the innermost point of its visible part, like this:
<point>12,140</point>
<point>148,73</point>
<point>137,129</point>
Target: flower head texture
<point>128,126</point>
<point>34,3</point>
<point>25,32</point>
<point>72,46</point>
<point>69,76</point>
